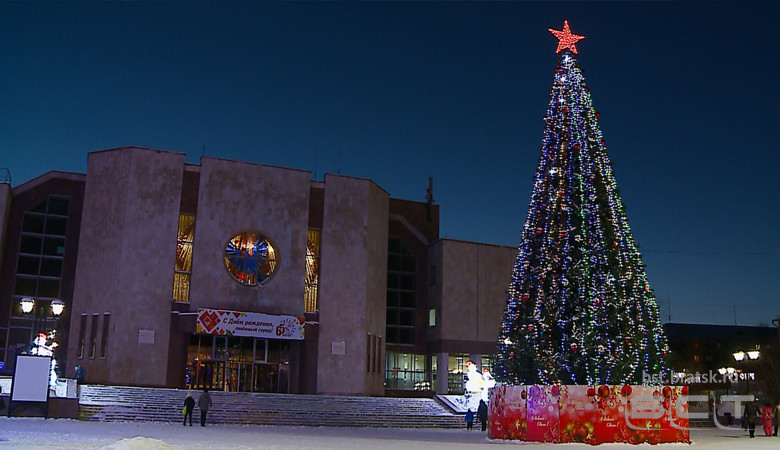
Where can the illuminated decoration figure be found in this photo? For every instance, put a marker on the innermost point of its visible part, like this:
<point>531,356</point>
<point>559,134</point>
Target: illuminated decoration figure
<point>580,309</point>
<point>250,258</point>
<point>473,379</point>
<point>487,383</point>
<point>44,345</point>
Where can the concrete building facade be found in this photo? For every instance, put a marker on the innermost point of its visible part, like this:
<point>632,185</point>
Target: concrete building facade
<point>163,257</point>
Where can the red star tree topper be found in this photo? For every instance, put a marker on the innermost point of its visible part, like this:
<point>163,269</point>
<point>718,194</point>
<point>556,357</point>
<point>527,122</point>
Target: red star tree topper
<point>566,40</point>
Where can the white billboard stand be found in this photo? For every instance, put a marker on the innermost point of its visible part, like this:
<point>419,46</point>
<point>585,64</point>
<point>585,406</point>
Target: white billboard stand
<point>31,383</point>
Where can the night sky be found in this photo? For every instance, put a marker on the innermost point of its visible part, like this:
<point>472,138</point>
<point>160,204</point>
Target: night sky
<point>397,92</point>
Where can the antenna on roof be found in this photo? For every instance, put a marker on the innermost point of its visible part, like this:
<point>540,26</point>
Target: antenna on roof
<point>429,196</point>
<point>669,308</point>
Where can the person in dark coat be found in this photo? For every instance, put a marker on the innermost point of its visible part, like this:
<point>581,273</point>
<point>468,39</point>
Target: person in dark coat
<point>776,419</point>
<point>750,417</point>
<point>189,406</point>
<point>482,414</point>
<point>204,403</point>
<point>469,419</point>
<point>79,373</point>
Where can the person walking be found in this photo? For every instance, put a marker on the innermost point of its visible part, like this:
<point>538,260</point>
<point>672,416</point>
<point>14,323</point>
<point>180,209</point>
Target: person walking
<point>766,418</point>
<point>189,406</point>
<point>749,417</point>
<point>469,419</point>
<point>204,403</point>
<point>482,414</point>
<point>776,419</point>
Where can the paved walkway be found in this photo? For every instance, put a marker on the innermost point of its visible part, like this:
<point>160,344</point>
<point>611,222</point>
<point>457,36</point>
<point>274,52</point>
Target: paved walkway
<point>31,433</point>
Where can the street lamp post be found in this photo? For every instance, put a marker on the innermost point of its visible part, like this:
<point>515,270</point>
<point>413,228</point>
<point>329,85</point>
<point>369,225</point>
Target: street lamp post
<point>29,306</point>
<point>740,357</point>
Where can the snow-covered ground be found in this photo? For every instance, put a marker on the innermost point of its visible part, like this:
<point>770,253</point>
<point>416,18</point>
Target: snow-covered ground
<point>33,433</point>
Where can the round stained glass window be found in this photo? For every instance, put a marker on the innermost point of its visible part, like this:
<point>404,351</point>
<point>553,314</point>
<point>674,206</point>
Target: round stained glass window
<point>250,258</point>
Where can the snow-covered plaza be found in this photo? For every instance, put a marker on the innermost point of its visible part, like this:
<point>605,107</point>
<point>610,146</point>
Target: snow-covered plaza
<point>32,433</point>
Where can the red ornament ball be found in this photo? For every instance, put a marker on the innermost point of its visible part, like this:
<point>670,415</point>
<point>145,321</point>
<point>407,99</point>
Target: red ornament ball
<point>626,390</point>
<point>591,392</point>
<point>667,391</point>
<point>556,390</point>
<point>523,395</point>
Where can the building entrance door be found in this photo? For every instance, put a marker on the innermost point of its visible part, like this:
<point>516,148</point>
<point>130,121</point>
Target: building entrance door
<point>266,378</point>
<point>238,364</point>
<point>238,377</point>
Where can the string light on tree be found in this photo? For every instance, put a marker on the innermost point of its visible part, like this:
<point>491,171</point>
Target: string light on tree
<point>580,309</point>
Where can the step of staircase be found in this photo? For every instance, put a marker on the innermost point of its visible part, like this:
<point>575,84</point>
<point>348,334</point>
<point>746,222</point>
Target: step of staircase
<point>125,403</point>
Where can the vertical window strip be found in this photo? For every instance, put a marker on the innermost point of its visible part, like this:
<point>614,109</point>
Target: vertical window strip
<point>377,353</point>
<point>183,268</point>
<point>311,287</point>
<point>93,336</point>
<point>369,356</point>
<point>104,335</point>
<point>82,335</point>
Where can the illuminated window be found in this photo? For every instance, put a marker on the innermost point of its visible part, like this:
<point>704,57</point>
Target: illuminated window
<point>311,290</point>
<point>406,371</point>
<point>250,258</point>
<point>183,269</point>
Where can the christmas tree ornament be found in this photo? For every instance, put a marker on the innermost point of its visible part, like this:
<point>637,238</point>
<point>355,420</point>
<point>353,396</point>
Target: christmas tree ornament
<point>566,39</point>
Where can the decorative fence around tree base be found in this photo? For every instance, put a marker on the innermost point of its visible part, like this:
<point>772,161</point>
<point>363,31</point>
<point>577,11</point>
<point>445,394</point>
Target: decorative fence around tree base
<point>589,414</point>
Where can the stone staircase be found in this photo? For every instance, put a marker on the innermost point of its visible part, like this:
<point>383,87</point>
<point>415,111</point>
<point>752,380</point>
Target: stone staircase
<point>124,403</point>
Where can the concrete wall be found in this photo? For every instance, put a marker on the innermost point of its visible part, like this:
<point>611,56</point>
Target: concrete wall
<point>470,294</point>
<point>235,197</point>
<point>126,261</point>
<point>353,285</point>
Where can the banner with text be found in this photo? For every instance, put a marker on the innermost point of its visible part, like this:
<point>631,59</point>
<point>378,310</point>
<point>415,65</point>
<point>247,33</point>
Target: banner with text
<point>249,324</point>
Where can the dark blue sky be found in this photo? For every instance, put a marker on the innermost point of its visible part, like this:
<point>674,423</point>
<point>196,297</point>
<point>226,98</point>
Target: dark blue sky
<point>396,92</point>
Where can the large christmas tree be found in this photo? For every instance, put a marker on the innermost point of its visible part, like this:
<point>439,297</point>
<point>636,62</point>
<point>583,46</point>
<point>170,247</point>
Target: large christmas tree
<point>580,309</point>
